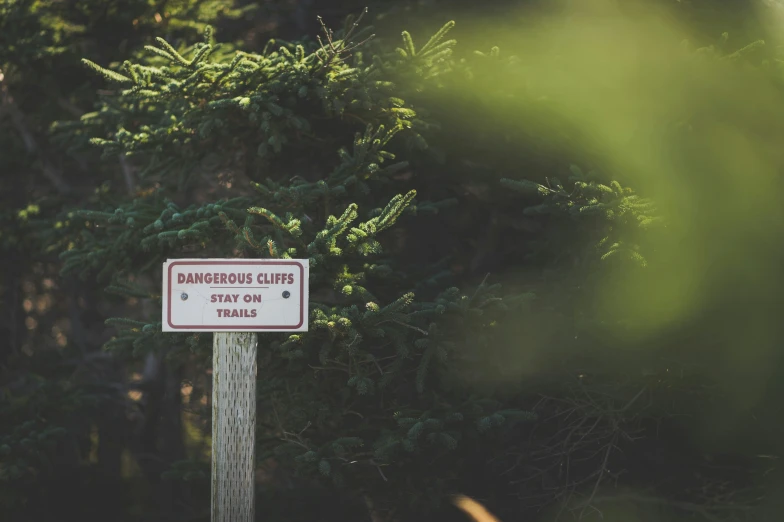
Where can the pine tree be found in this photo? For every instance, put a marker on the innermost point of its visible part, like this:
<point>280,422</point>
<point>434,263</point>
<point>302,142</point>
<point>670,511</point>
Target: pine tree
<point>53,384</point>
<point>374,351</point>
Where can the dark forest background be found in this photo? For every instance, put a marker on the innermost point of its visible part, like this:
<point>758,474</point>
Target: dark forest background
<point>576,315</point>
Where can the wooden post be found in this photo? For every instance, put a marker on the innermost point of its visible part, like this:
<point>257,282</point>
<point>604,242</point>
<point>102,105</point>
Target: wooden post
<point>233,426</point>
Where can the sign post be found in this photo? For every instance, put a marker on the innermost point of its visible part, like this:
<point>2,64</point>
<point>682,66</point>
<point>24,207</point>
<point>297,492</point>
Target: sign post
<point>234,299</point>
<point>233,426</point>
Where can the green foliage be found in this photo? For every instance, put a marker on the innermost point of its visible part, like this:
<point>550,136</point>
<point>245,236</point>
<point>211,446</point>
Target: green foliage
<point>33,437</point>
<point>177,111</point>
<point>374,349</point>
<point>393,168</point>
<point>43,410</point>
<point>613,211</point>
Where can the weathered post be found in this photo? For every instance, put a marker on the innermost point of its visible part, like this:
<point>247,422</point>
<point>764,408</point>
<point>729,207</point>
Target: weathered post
<point>233,426</point>
<point>234,299</point>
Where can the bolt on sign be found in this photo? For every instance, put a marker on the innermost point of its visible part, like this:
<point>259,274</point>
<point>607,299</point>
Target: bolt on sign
<point>235,295</point>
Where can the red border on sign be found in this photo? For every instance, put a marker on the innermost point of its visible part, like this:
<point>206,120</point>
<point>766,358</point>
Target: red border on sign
<point>245,326</point>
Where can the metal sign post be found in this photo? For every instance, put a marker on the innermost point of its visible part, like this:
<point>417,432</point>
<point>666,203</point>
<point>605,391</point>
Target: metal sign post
<point>233,426</point>
<point>234,299</point>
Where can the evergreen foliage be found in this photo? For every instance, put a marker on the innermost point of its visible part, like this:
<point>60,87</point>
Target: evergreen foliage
<point>417,377</point>
<point>622,210</point>
<point>375,349</point>
<point>53,387</point>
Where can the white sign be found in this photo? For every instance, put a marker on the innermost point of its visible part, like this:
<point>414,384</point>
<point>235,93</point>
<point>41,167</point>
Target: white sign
<point>236,295</point>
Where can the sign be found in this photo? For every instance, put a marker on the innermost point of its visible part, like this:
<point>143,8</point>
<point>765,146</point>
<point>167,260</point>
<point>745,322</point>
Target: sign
<point>235,295</point>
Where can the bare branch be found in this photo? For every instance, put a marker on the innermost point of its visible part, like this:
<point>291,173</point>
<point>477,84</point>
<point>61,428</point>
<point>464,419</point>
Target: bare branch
<point>51,172</point>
